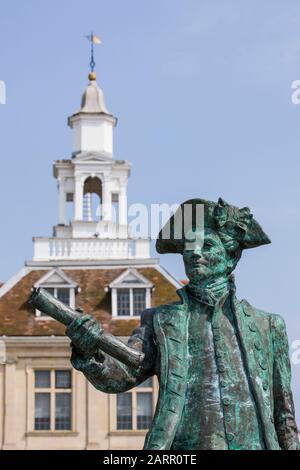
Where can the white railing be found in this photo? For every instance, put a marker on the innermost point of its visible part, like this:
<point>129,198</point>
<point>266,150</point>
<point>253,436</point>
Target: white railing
<point>89,249</point>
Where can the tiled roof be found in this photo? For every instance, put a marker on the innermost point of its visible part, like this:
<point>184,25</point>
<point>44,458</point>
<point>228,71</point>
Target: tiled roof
<point>17,317</point>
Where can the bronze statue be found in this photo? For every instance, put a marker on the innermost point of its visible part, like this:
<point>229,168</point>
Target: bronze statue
<point>223,366</point>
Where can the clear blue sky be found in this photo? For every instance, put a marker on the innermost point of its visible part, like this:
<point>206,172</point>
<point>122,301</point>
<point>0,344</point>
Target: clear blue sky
<point>202,90</point>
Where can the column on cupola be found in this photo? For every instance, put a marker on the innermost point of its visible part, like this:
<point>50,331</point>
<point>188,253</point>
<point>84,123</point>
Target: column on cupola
<point>123,205</point>
<point>106,200</point>
<point>78,198</point>
<point>62,201</point>
<point>87,210</point>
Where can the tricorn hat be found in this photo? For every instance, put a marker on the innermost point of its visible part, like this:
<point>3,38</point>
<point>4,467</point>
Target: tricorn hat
<point>236,227</point>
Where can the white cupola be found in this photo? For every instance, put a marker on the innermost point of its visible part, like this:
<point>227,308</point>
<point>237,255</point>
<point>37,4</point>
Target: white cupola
<point>92,192</point>
<point>93,124</point>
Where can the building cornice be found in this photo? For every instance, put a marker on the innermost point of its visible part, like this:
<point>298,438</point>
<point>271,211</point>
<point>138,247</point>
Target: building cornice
<point>99,264</point>
<point>40,341</point>
<point>35,341</point>
<point>84,116</point>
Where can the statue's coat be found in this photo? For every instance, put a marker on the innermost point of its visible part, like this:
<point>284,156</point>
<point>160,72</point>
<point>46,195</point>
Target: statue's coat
<point>163,338</point>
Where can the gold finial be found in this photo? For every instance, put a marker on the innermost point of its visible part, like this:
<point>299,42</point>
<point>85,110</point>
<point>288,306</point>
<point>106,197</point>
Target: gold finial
<point>92,76</point>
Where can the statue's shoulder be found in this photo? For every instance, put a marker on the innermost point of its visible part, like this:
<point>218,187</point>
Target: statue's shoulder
<point>169,307</point>
<point>148,314</point>
<point>250,310</point>
<point>274,319</point>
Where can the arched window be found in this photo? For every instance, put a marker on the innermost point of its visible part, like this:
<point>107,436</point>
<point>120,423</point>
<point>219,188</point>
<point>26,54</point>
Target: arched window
<point>92,198</point>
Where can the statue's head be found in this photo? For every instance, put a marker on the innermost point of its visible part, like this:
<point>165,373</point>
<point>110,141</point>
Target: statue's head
<point>207,257</point>
<point>210,236</point>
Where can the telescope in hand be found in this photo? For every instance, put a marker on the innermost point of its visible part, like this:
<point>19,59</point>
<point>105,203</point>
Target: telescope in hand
<point>54,308</point>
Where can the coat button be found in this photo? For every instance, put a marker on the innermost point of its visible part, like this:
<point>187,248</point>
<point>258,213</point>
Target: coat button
<point>257,346</point>
<point>252,327</point>
<point>221,368</point>
<point>230,436</point>
<point>265,385</point>
<point>217,336</point>
<point>223,383</point>
<point>226,401</point>
<point>263,365</point>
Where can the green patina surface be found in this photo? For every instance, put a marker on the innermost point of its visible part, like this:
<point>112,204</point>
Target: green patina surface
<point>223,366</point>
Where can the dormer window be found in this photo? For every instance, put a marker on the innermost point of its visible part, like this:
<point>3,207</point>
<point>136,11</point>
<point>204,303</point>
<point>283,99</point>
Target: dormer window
<point>131,294</point>
<point>60,286</point>
<point>131,302</point>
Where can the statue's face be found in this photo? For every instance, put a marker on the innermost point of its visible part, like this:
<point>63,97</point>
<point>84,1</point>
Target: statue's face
<point>206,258</point>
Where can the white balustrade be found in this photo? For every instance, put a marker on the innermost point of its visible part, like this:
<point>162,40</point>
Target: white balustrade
<point>89,249</point>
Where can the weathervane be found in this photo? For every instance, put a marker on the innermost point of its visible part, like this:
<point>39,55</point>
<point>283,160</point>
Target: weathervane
<point>93,40</point>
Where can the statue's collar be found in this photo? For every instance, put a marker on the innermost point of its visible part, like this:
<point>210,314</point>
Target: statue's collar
<point>208,296</point>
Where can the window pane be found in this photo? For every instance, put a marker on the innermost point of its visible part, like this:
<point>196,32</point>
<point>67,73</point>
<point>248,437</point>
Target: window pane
<point>123,299</point>
<point>62,411</point>
<point>64,295</point>
<point>42,378</point>
<point>124,411</point>
<point>139,301</point>
<point>147,383</point>
<point>50,290</point>
<point>144,410</point>
<point>42,411</point>
<point>62,379</point>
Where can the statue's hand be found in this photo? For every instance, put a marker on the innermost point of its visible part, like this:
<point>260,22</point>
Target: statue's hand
<point>84,333</point>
